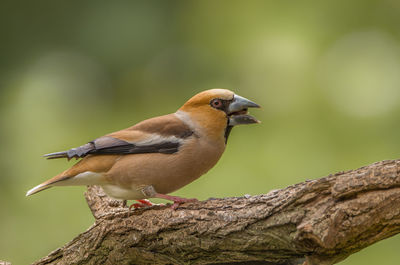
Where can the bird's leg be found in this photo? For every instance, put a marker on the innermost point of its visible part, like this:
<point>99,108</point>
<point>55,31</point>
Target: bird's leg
<point>177,200</point>
<point>149,191</point>
<point>146,202</point>
<point>141,204</point>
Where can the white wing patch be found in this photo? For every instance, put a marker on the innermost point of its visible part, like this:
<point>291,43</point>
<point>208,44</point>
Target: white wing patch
<point>158,139</point>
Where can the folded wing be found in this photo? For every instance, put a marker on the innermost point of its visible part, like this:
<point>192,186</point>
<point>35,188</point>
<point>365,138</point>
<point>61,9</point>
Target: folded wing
<point>158,135</point>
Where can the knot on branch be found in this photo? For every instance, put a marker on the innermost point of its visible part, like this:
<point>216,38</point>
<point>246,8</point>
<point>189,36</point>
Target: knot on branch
<point>100,204</point>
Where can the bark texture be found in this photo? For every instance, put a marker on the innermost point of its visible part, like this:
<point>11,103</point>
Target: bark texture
<point>319,221</point>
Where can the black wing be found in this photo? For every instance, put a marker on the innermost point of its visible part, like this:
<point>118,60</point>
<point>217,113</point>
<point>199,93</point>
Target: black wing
<point>108,145</point>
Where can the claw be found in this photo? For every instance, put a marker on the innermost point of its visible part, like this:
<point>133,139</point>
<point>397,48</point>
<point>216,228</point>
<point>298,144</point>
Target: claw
<point>146,202</point>
<point>177,200</point>
<point>180,201</point>
<point>141,204</point>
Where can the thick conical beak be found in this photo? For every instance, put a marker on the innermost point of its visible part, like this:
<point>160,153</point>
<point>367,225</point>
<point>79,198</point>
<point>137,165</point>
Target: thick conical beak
<point>240,103</point>
<point>237,111</point>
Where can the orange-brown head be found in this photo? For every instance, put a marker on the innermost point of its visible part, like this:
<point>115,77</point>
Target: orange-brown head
<point>216,111</point>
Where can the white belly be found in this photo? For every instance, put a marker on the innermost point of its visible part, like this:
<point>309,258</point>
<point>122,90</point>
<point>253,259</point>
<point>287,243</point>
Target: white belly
<point>118,192</point>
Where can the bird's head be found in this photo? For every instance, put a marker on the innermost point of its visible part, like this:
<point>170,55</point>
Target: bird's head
<point>218,110</point>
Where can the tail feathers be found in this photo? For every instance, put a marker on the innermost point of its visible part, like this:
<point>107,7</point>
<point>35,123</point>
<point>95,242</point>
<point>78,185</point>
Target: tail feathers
<point>37,189</point>
<point>48,184</point>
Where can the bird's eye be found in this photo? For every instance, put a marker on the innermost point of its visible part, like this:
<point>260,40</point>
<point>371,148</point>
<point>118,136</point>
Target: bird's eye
<point>216,103</point>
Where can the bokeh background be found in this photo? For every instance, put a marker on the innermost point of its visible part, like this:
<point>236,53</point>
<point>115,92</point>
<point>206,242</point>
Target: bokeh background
<point>327,74</point>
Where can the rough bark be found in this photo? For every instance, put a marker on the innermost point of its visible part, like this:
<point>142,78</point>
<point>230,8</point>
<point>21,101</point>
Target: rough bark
<point>320,221</point>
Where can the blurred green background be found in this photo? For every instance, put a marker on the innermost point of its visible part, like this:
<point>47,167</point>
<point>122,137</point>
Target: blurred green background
<point>327,74</point>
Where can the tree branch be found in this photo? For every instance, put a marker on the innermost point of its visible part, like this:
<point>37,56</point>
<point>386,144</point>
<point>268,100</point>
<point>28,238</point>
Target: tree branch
<point>322,221</point>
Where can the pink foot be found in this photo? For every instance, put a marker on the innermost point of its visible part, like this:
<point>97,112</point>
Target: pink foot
<point>177,200</point>
<point>146,202</point>
<point>142,204</point>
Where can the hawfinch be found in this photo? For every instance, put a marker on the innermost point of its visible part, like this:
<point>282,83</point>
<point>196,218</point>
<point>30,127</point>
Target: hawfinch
<point>159,155</point>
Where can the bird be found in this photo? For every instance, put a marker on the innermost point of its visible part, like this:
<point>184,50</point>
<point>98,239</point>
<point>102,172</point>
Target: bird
<point>159,155</point>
